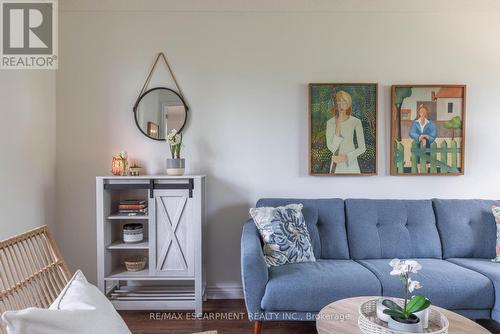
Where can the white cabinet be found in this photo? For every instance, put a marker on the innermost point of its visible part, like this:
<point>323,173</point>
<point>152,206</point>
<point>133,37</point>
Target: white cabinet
<point>174,277</point>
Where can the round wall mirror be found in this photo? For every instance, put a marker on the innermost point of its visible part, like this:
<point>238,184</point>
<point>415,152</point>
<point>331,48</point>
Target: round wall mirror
<point>158,111</point>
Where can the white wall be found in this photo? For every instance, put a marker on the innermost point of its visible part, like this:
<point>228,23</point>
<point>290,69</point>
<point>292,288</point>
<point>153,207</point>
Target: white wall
<point>244,67</point>
<point>27,150</point>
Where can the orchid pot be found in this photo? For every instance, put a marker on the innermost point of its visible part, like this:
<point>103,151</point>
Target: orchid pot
<point>410,325</point>
<point>422,315</point>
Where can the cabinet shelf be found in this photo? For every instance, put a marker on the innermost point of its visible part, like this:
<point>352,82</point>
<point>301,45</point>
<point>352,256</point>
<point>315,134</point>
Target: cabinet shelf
<point>151,293</point>
<point>122,274</point>
<point>118,216</point>
<point>117,245</point>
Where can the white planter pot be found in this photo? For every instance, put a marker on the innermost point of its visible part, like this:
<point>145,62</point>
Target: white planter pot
<point>401,326</point>
<point>175,167</point>
<point>424,317</point>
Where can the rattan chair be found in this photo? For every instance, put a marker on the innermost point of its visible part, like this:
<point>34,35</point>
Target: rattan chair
<point>32,271</point>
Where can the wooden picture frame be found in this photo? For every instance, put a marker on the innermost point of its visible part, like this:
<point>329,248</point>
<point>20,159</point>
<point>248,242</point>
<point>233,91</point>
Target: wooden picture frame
<point>153,130</point>
<point>424,123</point>
<point>358,124</point>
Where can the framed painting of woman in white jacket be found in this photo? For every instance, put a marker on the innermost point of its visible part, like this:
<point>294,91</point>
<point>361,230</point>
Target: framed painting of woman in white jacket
<point>342,129</point>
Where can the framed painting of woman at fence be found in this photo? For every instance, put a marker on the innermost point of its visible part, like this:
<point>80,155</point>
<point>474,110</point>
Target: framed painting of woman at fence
<point>428,129</point>
<point>343,129</point>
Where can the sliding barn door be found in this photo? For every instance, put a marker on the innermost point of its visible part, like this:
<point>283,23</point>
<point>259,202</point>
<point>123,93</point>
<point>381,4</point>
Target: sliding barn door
<point>174,246</point>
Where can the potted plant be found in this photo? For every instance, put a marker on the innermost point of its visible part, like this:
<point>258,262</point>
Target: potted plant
<point>175,165</point>
<point>406,318</point>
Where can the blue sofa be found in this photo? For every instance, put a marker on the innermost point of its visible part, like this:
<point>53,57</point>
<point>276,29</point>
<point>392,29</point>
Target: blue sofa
<point>353,242</point>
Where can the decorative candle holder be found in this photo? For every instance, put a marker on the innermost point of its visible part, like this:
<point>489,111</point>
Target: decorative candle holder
<point>119,164</point>
<point>135,170</point>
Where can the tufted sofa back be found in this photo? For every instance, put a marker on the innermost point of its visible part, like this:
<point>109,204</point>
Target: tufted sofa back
<point>325,219</point>
<point>467,227</point>
<point>385,229</point>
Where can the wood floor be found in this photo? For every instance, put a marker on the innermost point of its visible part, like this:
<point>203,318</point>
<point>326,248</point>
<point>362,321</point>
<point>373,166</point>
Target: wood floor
<point>145,322</point>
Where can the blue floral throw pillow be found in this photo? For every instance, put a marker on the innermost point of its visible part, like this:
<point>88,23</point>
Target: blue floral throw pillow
<point>285,235</point>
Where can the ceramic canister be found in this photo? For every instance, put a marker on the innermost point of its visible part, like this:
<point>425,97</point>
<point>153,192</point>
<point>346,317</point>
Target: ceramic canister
<point>133,232</point>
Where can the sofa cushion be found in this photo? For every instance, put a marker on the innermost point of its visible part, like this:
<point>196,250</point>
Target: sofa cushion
<point>380,229</point>
<point>488,269</point>
<point>325,220</point>
<point>467,227</point>
<point>444,283</point>
<point>309,286</point>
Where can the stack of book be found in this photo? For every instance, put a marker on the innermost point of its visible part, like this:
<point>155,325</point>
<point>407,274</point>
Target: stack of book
<point>132,207</point>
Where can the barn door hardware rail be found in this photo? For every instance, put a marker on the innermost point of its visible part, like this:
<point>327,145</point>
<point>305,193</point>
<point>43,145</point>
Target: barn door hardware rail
<point>152,185</point>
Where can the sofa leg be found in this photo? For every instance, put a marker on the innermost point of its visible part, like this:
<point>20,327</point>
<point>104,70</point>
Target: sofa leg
<point>257,327</point>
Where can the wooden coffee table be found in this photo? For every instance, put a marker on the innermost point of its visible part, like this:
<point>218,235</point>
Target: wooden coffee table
<point>342,317</point>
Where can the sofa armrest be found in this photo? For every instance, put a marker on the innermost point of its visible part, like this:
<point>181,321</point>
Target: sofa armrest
<point>254,271</point>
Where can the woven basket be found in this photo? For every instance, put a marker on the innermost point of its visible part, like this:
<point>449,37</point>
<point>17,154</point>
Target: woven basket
<point>370,324</point>
<point>135,263</point>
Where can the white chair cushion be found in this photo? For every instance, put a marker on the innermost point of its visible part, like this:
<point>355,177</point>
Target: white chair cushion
<point>80,308</point>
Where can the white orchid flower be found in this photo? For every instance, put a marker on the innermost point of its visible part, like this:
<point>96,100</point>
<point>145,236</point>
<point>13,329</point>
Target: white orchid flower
<point>413,265</point>
<point>413,285</point>
<point>397,268</point>
<point>394,262</point>
<point>402,267</point>
<point>396,271</point>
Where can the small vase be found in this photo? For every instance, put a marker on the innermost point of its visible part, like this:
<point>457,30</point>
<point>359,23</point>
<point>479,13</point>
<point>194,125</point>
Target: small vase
<point>411,325</point>
<point>175,167</point>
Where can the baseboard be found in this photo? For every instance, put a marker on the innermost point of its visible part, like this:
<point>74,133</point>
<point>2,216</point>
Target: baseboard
<point>225,291</point>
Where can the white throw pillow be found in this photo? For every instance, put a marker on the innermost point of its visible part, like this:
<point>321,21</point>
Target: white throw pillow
<point>79,309</point>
